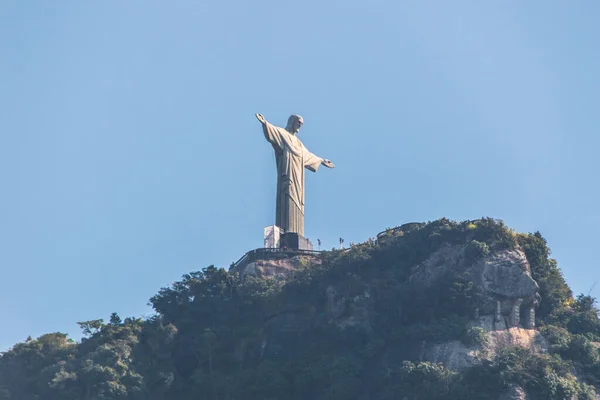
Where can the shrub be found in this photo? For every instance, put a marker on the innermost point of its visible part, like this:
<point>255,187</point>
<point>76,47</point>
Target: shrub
<point>476,336</point>
<point>586,392</point>
<point>559,387</point>
<point>558,338</point>
<point>476,250</point>
<point>582,350</point>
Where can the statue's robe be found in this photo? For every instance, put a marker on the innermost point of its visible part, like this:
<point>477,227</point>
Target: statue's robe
<point>292,158</point>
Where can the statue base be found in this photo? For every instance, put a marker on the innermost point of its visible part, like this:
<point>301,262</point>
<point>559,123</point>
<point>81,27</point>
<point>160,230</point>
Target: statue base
<point>295,241</point>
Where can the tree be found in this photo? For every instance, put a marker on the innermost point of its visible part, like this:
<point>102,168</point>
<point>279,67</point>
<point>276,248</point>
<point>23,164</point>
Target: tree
<point>91,327</point>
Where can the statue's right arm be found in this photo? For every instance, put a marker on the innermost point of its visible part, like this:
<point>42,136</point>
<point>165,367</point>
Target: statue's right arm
<point>261,118</point>
<point>271,133</point>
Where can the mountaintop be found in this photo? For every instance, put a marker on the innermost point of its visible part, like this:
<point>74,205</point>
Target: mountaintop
<point>437,310</point>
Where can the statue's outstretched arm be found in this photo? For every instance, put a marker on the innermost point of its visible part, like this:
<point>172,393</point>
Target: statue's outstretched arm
<point>327,163</point>
<point>272,133</point>
<point>261,118</point>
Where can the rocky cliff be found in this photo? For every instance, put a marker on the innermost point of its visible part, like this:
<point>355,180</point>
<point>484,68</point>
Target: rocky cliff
<point>479,275</point>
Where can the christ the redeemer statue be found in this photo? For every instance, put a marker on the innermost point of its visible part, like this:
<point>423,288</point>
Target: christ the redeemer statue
<point>291,157</point>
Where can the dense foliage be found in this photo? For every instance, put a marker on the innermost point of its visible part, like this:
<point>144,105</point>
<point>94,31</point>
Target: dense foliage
<point>350,328</point>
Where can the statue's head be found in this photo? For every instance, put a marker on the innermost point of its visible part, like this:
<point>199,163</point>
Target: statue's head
<point>294,123</point>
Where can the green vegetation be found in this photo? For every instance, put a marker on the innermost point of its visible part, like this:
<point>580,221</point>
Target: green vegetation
<point>476,336</point>
<point>476,250</point>
<point>350,328</point>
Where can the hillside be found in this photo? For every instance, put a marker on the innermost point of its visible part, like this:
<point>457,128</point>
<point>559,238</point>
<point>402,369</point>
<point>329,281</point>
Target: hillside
<point>438,310</point>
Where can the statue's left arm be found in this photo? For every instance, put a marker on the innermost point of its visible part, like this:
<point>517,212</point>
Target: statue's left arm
<point>312,161</point>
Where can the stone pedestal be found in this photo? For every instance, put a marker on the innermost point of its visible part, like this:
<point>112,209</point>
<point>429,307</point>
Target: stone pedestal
<point>273,237</point>
<point>295,241</point>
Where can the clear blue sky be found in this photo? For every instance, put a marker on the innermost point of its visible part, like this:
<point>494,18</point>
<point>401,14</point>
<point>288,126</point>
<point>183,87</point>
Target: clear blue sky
<point>130,155</point>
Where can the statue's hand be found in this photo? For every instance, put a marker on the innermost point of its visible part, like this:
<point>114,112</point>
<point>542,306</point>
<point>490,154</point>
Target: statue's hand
<point>261,118</point>
<point>328,163</point>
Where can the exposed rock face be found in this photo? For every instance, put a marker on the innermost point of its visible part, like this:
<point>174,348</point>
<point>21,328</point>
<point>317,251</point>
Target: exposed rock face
<point>506,274</point>
<point>341,311</point>
<point>514,393</point>
<point>456,355</point>
<point>348,311</point>
<point>437,265</point>
<point>503,276</point>
<point>453,354</point>
<point>279,267</point>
